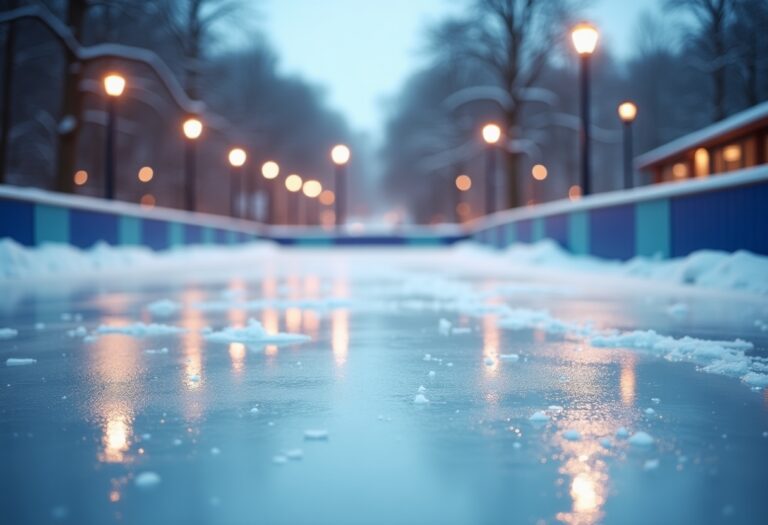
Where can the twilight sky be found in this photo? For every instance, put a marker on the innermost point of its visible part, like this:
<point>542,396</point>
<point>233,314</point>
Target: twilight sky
<point>360,51</point>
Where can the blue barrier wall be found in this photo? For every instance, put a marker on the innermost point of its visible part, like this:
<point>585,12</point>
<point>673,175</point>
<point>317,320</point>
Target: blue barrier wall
<point>725,212</point>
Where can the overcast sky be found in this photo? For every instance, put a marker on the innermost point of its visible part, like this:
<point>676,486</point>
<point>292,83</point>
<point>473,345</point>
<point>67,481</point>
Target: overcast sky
<point>361,51</point>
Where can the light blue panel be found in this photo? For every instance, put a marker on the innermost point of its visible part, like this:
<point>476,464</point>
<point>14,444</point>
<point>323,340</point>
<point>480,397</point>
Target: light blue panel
<point>653,229</point>
<point>207,235</point>
<point>510,234</point>
<point>537,230</point>
<point>51,224</point>
<point>314,241</point>
<point>424,241</point>
<point>578,232</point>
<point>231,237</point>
<point>129,230</point>
<point>175,234</point>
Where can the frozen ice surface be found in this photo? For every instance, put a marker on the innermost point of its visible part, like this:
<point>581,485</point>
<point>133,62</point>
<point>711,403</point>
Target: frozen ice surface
<point>89,404</point>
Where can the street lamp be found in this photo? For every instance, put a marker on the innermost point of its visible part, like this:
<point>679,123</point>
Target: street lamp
<point>491,135</point>
<point>585,38</point>
<point>114,85</point>
<point>627,114</point>
<point>237,158</point>
<point>294,183</point>
<point>340,155</point>
<point>192,128</point>
<point>539,173</point>
<point>270,170</point>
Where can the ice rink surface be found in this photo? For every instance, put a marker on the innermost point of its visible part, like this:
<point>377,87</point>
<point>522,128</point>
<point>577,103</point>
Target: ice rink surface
<point>434,386</point>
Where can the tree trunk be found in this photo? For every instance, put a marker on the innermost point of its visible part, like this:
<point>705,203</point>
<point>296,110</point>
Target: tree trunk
<point>72,103</point>
<point>5,119</point>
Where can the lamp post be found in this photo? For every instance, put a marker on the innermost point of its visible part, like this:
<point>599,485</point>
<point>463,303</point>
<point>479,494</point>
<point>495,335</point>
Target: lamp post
<point>312,189</point>
<point>237,158</point>
<point>270,170</point>
<point>491,136</point>
<point>463,184</point>
<point>585,38</point>
<point>340,155</point>
<point>627,114</point>
<point>114,85</point>
<point>294,183</point>
<point>192,128</point>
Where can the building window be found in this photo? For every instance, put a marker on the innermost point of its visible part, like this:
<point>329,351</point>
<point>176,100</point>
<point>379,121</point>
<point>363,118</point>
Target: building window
<point>701,162</point>
<point>680,170</point>
<point>732,157</point>
<point>750,152</point>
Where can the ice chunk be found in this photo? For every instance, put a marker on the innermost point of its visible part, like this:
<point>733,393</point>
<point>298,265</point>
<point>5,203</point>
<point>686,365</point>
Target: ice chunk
<point>572,435</point>
<point>80,331</point>
<point>20,361</point>
<point>294,454</point>
<point>422,389</point>
<point>555,408</point>
<point>649,411</point>
<point>163,308</point>
<point>510,358</point>
<point>147,480</point>
<point>427,357</point>
<point>420,399</point>
<point>195,378</point>
<point>39,326</point>
<point>651,464</point>
<point>756,379</point>
<point>254,410</point>
<point>606,442</point>
<point>622,433</point>
<point>215,451</point>
<point>489,361</point>
<point>641,439</point>
<point>539,417</point>
<point>444,327</point>
<point>8,333</point>
<point>316,435</point>
<point>655,400</point>
<point>152,351</point>
<point>431,373</point>
<point>140,329</point>
<point>279,459</point>
<point>253,333</point>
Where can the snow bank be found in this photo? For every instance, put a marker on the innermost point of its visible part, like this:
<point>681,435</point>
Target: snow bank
<point>253,333</point>
<point>740,270</point>
<point>56,260</point>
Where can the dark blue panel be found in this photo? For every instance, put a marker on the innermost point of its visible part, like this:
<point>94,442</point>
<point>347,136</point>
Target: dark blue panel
<point>16,221</point>
<point>501,241</point>
<point>86,228</point>
<point>155,234</point>
<point>220,236</point>
<point>193,234</point>
<point>556,228</point>
<point>612,232</point>
<point>525,230</point>
<point>731,219</point>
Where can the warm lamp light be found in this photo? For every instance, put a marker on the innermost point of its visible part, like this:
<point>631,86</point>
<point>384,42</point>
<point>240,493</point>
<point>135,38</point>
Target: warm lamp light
<point>270,170</point>
<point>192,128</point>
<point>237,157</point>
<point>312,188</point>
<point>491,133</point>
<point>340,154</point>
<point>627,111</point>
<point>114,85</point>
<point>293,183</point>
<point>584,38</point>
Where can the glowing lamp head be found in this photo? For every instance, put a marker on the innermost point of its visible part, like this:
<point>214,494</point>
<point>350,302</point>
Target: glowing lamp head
<point>237,157</point>
<point>627,111</point>
<point>340,154</point>
<point>463,182</point>
<point>146,174</point>
<point>491,133</point>
<point>539,172</point>
<point>270,170</point>
<point>114,85</point>
<point>192,128</point>
<point>584,38</point>
<point>293,183</point>
<point>327,197</point>
<point>312,188</point>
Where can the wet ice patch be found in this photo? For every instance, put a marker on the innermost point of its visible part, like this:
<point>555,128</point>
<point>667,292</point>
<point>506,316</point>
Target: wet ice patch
<point>140,329</point>
<point>153,351</point>
<point>253,333</point>
<point>20,361</point>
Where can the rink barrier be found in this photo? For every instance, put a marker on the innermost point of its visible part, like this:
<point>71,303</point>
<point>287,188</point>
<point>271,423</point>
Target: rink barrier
<point>724,212</point>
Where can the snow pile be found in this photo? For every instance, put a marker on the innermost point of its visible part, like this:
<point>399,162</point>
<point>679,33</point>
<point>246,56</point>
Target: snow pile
<point>715,357</point>
<point>740,270</point>
<point>55,260</point>
<point>163,308</point>
<point>8,333</point>
<point>19,361</point>
<point>139,329</point>
<point>253,333</point>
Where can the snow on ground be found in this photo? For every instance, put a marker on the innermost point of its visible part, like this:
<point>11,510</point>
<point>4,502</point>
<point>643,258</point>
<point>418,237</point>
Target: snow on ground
<point>253,333</point>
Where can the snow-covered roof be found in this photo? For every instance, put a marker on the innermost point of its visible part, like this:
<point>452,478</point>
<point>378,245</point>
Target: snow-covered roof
<point>705,135</point>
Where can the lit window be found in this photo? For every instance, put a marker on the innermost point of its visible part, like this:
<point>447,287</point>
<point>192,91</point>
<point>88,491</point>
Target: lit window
<point>680,170</point>
<point>701,161</point>
<point>574,193</point>
<point>148,200</point>
<point>732,153</point>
